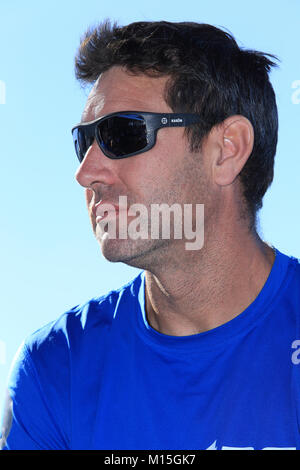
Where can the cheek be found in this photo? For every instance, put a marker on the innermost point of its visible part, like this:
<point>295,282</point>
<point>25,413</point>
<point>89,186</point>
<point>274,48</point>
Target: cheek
<point>89,198</point>
<point>158,173</point>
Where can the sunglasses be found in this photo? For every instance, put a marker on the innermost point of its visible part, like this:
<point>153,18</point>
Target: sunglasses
<point>126,133</point>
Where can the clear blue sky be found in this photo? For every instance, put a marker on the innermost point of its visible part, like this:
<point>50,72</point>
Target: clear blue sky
<point>49,258</point>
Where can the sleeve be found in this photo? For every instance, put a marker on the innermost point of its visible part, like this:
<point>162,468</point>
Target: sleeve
<point>31,418</point>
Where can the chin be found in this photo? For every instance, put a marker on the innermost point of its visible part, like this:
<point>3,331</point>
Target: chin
<point>116,250</point>
<point>113,252</point>
<point>137,253</point>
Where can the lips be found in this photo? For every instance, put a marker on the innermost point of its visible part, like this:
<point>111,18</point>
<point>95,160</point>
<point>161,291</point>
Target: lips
<point>104,208</point>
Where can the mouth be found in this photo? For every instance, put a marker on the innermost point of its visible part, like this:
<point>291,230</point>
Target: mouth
<point>104,209</point>
<point>106,214</point>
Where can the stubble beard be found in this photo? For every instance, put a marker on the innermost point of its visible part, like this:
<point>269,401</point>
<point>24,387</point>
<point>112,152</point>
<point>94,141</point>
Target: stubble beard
<point>140,253</point>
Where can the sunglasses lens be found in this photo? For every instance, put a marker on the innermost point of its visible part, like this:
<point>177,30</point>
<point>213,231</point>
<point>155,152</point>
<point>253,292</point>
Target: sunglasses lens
<point>122,135</point>
<point>82,142</point>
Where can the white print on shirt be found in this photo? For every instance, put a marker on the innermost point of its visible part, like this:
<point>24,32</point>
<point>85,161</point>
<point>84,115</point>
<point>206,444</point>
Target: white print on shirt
<point>213,446</point>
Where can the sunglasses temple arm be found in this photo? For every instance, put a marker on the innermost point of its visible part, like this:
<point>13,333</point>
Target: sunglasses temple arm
<point>180,120</point>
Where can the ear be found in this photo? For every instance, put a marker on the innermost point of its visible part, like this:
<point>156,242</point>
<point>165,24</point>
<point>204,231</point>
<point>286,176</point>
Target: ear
<point>235,139</point>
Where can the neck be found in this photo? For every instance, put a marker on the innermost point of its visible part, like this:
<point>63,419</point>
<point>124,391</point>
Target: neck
<point>209,287</point>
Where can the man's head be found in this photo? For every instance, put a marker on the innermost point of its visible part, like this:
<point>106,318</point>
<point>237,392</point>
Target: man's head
<point>186,68</point>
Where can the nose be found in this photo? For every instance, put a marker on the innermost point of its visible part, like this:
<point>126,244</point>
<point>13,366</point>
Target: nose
<point>95,167</point>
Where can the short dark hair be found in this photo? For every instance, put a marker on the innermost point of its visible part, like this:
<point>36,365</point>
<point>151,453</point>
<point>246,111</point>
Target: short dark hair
<point>209,74</point>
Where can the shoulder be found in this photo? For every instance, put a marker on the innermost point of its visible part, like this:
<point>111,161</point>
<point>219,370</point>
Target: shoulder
<point>46,356</point>
<point>78,323</point>
<point>285,285</point>
<point>293,266</point>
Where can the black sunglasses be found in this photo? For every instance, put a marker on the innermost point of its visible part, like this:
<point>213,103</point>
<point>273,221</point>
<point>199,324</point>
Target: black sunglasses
<point>126,133</point>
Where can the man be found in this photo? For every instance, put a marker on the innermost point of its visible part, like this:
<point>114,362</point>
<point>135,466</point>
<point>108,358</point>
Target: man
<point>197,351</point>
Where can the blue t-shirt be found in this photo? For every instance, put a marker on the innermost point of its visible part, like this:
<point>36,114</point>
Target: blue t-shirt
<point>100,377</point>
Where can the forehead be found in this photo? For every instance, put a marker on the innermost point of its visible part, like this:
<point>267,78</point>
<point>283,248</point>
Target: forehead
<point>118,90</point>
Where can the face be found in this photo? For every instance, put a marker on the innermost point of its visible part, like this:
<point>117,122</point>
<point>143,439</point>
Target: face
<point>168,173</point>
